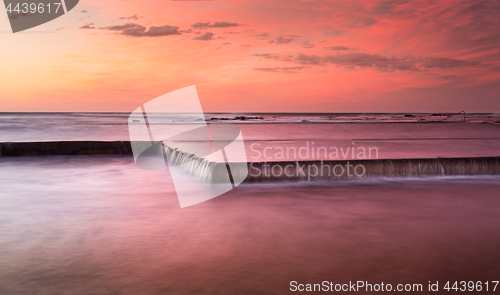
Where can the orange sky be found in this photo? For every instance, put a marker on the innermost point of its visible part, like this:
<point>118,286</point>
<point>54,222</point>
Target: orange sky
<point>258,56</point>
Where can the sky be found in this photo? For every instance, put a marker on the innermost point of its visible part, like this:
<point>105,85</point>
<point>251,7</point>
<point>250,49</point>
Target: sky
<point>258,56</point>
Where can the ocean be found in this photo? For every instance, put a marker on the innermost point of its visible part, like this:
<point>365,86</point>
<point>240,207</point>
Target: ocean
<point>98,224</point>
<point>396,136</point>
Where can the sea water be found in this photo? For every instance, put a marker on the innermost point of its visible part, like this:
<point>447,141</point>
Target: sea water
<point>100,225</point>
<point>321,136</point>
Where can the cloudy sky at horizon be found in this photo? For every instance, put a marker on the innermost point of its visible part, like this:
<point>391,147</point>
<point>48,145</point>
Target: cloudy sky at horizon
<point>259,56</point>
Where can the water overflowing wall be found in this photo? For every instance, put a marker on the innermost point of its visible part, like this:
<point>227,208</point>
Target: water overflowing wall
<point>198,167</point>
<point>308,170</point>
<point>214,172</point>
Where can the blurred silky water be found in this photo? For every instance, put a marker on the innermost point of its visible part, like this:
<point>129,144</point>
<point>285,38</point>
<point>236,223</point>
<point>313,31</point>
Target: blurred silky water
<point>100,225</point>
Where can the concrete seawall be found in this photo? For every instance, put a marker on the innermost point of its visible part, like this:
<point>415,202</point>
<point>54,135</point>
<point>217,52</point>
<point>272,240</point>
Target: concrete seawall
<point>19,149</point>
<point>270,171</point>
<point>352,169</point>
<point>308,170</point>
